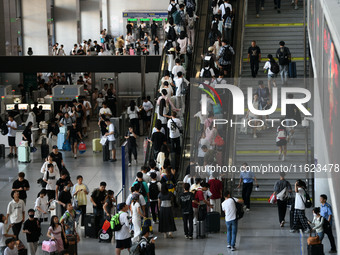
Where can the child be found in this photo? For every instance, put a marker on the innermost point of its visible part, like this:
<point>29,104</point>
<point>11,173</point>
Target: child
<point>41,206</point>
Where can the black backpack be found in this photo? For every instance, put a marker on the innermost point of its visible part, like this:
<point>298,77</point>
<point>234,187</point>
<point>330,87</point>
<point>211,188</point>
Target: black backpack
<point>283,56</point>
<point>142,190</point>
<point>173,9</point>
<point>239,210</point>
<point>184,87</point>
<point>308,203</point>
<point>4,128</point>
<point>227,54</point>
<point>214,27</point>
<point>206,73</point>
<point>153,190</point>
<point>172,33</point>
<point>227,12</point>
<point>274,67</point>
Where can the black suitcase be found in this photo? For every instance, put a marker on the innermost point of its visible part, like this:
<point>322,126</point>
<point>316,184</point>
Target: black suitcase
<point>2,151</point>
<point>90,225</point>
<point>316,249</point>
<point>45,150</point>
<point>213,222</point>
<point>200,229</point>
<point>292,70</point>
<point>71,246</point>
<point>106,152</point>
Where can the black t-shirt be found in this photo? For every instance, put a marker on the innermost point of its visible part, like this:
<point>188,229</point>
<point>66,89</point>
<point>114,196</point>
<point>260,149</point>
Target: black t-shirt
<point>28,134</point>
<point>254,52</point>
<point>57,158</point>
<point>156,43</point>
<point>21,184</point>
<point>65,197</point>
<point>32,226</point>
<point>131,140</point>
<point>62,183</point>
<point>80,52</point>
<point>74,132</point>
<point>99,197</point>
<point>129,28</point>
<point>186,202</point>
<point>158,138</point>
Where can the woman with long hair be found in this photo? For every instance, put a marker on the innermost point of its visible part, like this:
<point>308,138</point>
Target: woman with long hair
<point>271,75</point>
<point>162,155</point>
<point>56,233</point>
<point>108,204</point>
<point>136,213</point>
<point>251,115</point>
<point>132,111</point>
<point>166,218</point>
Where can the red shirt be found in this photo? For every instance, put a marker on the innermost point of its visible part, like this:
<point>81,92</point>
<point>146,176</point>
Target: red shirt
<point>215,188</point>
<point>198,197</point>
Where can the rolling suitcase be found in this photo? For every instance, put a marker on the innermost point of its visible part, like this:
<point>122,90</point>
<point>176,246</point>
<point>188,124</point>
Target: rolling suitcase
<point>45,149</point>
<point>200,229</point>
<point>2,151</point>
<point>71,247</point>
<point>316,249</point>
<point>106,152</point>
<point>292,70</point>
<point>24,154</point>
<point>61,140</point>
<point>90,225</point>
<point>96,145</point>
<point>213,222</point>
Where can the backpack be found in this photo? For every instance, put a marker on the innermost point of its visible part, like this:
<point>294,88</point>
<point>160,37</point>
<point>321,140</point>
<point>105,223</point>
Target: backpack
<point>170,184</point>
<point>228,22</point>
<point>135,247</point>
<point>115,222</point>
<point>153,190</point>
<point>173,9</point>
<point>308,203</point>
<point>281,134</point>
<point>206,73</point>
<point>283,56</point>
<point>184,87</point>
<point>172,34</point>
<point>116,131</point>
<point>4,128</point>
<point>191,22</point>
<point>239,210</point>
<point>177,17</point>
<point>190,4</point>
<point>227,12</point>
<point>227,54</point>
<point>214,27</point>
<point>274,67</point>
<point>142,190</point>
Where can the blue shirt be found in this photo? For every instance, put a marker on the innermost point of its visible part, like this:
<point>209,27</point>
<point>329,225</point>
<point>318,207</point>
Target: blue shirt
<point>248,177</point>
<point>325,211</point>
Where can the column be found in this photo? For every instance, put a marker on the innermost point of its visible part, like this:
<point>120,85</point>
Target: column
<point>90,20</point>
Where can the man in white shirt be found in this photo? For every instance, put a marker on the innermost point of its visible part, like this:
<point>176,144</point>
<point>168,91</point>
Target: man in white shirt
<point>111,139</point>
<point>16,213</point>
<point>178,68</point>
<point>123,236</point>
<point>180,97</point>
<point>12,127</point>
<point>147,106</point>
<point>3,234</point>
<point>174,126</point>
<point>229,208</point>
<point>300,207</point>
<point>172,3</point>
<point>11,247</point>
<point>50,177</point>
<point>224,6</point>
<point>105,111</point>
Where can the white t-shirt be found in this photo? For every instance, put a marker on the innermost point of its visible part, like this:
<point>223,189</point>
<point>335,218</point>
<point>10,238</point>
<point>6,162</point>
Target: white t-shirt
<point>158,178</point>
<point>132,114</point>
<point>147,106</point>
<point>170,7</point>
<point>104,111</point>
<point>15,211</point>
<point>224,6</point>
<point>11,131</point>
<point>202,141</point>
<point>176,69</point>
<point>100,101</point>
<point>207,68</point>
<point>134,209</point>
<point>8,251</point>
<point>174,131</point>
<point>141,200</point>
<point>178,83</point>
<point>44,168</point>
<point>229,208</point>
<point>52,180</point>
<point>268,66</point>
<point>43,204</point>
<point>300,199</point>
<point>87,104</point>
<point>111,129</point>
<point>2,232</point>
<point>124,233</point>
<point>155,130</point>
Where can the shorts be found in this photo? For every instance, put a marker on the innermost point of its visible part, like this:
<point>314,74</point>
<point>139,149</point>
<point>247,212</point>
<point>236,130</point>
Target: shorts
<point>112,145</point>
<point>271,76</point>
<point>11,141</point>
<point>73,140</point>
<point>123,244</point>
<point>282,142</point>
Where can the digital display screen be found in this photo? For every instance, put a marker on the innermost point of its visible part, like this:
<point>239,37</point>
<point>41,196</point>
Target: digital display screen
<point>45,107</point>
<point>132,19</point>
<point>10,107</point>
<point>145,19</point>
<point>23,106</point>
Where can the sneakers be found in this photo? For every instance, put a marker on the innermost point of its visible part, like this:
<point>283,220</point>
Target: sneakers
<point>283,157</point>
<point>292,231</point>
<point>282,224</point>
<point>15,155</point>
<point>275,7</point>
<point>113,160</point>
<point>255,136</point>
<point>296,7</point>
<point>129,164</point>
<point>257,15</point>
<point>186,237</point>
<point>262,8</point>
<point>190,238</point>
<point>233,248</point>
<point>229,246</point>
<point>136,161</point>
<point>75,156</point>
<point>307,231</point>
<point>293,2</point>
<point>247,210</point>
<point>280,155</point>
<point>278,11</point>
<point>10,155</point>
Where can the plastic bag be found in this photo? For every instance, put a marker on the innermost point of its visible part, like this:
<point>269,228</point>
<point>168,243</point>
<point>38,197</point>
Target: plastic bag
<point>82,148</point>
<point>66,146</point>
<point>272,199</point>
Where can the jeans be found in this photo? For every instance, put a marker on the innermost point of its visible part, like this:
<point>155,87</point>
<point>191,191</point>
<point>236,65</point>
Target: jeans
<point>258,3</point>
<point>16,229</point>
<point>188,224</point>
<point>277,3</point>
<point>254,66</point>
<point>154,210</point>
<point>231,232</point>
<point>282,208</point>
<point>320,235</point>
<point>33,246</point>
<point>284,73</point>
<point>82,208</point>
<point>329,233</point>
<point>246,192</point>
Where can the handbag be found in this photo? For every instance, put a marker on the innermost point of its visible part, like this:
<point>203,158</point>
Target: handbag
<point>219,140</point>
<point>282,195</point>
<point>67,146</point>
<point>312,240</point>
<point>82,148</point>
<point>272,199</point>
<point>49,246</point>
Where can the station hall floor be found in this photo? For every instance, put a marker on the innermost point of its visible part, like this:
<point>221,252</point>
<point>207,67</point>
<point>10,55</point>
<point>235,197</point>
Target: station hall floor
<point>258,232</point>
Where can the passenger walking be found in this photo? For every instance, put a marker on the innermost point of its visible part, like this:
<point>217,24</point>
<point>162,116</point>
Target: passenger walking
<point>277,4</point>
<point>281,141</point>
<point>273,69</point>
<point>254,57</point>
<point>68,220</point>
<point>156,45</point>
<point>123,236</point>
<point>166,218</point>
<point>79,192</point>
<point>111,139</point>
<point>41,206</point>
<point>74,137</point>
<point>247,178</point>
<point>56,233</point>
<point>21,185</point>
<point>284,56</point>
<point>33,231</point>
<point>132,144</point>
<point>225,57</point>
<point>299,212</point>
<point>187,212</point>
<point>154,190</point>
<point>317,223</point>
<point>282,189</point>
<point>327,213</point>
<point>132,111</point>
<point>293,117</point>
<point>258,4</point>
<point>215,188</point>
<point>4,233</point>
<point>252,117</point>
<point>109,204</point>
<point>229,208</point>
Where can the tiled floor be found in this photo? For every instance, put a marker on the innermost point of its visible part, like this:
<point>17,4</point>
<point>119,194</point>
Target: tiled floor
<point>258,233</point>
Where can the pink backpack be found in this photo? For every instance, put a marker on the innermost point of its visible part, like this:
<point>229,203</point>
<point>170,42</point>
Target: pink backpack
<point>49,246</point>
